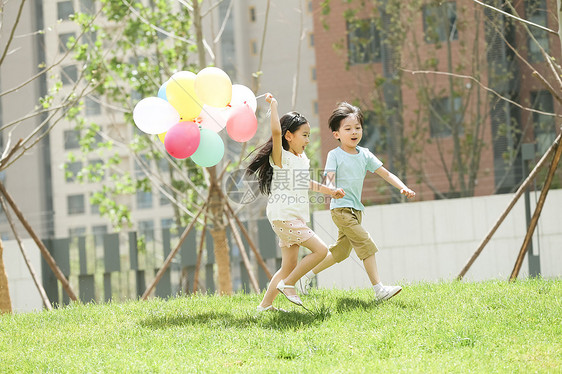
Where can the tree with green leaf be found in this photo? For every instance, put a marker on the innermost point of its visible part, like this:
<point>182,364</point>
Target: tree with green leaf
<point>137,48</point>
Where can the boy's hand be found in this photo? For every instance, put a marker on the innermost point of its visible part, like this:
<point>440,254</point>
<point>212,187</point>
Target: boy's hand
<point>408,193</point>
<point>338,193</point>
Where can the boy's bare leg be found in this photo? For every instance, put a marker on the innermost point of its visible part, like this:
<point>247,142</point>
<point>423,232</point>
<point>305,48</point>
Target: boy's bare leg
<point>370,264</point>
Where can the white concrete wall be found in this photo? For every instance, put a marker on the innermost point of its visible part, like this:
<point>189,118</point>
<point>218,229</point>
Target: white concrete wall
<point>418,241</point>
<point>433,240</point>
<point>24,294</point>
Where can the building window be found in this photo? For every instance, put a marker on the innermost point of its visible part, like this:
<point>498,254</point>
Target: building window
<point>74,232</point>
<point>93,107</point>
<point>313,73</point>
<point>3,217</point>
<point>90,38</point>
<point>543,125</point>
<point>167,223</point>
<point>144,199</point>
<point>252,14</point>
<point>363,40</point>
<point>537,13</point>
<point>75,204</point>
<point>98,232</point>
<point>72,170</point>
<point>310,7</point>
<point>71,139</point>
<point>146,229</point>
<point>373,135</point>
<point>69,74</point>
<point>254,47</point>
<point>96,170</point>
<point>440,22</point>
<point>64,39</point>
<point>164,200</point>
<point>315,107</point>
<point>87,6</point>
<point>311,39</point>
<point>442,117</point>
<point>64,9</point>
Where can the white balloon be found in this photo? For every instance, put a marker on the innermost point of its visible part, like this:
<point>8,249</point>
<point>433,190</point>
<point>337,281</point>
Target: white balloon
<point>154,115</point>
<point>213,118</point>
<point>242,94</point>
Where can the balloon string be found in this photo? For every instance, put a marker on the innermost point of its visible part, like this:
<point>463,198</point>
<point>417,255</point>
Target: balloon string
<point>260,96</point>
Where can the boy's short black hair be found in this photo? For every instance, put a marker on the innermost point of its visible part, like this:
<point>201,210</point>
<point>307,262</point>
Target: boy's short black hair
<point>342,111</point>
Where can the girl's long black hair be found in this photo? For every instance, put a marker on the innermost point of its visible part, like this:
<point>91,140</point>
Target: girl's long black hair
<point>259,166</point>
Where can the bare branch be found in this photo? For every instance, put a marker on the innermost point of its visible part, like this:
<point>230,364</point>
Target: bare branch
<point>12,32</point>
<point>228,10</point>
<point>47,69</point>
<point>482,86</point>
<point>517,18</point>
<point>257,80</point>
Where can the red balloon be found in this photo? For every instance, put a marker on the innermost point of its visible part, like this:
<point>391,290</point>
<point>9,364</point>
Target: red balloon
<point>182,139</point>
<point>242,123</point>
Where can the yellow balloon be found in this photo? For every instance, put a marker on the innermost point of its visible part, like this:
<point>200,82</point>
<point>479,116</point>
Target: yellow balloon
<point>213,87</point>
<point>162,136</point>
<point>180,92</point>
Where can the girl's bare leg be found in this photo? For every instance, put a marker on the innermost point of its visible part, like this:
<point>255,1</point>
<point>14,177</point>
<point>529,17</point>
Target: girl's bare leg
<point>318,252</point>
<point>289,259</point>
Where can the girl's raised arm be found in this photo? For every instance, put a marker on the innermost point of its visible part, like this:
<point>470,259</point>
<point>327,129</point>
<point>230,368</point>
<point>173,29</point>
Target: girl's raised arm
<point>276,132</point>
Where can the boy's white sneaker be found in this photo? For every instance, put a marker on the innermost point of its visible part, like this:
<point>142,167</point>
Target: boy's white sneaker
<point>304,284</point>
<point>387,292</point>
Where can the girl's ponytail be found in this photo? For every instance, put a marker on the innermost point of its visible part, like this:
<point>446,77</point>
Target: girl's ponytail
<point>260,167</point>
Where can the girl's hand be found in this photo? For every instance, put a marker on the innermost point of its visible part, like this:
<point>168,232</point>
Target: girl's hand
<point>338,193</point>
<point>408,193</point>
<point>270,99</point>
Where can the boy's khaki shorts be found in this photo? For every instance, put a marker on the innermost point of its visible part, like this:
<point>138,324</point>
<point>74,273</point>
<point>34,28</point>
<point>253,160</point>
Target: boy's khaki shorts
<point>351,235</point>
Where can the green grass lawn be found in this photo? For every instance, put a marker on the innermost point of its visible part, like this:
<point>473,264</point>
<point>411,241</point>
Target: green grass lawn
<point>428,328</point>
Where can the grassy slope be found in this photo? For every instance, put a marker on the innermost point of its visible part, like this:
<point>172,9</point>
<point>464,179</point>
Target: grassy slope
<point>445,327</point>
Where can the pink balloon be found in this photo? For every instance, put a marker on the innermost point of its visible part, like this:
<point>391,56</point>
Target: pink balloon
<point>242,123</point>
<point>212,118</point>
<point>182,139</point>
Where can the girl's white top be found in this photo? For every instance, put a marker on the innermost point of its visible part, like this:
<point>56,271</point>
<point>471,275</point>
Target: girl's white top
<point>289,188</point>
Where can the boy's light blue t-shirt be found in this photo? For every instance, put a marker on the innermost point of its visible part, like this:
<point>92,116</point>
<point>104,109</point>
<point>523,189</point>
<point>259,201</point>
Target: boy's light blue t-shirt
<point>350,172</point>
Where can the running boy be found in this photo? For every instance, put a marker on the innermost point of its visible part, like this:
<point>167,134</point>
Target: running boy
<point>346,166</point>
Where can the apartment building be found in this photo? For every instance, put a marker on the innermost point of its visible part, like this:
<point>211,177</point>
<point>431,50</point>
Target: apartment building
<point>60,206</point>
<point>27,179</point>
<point>359,59</point>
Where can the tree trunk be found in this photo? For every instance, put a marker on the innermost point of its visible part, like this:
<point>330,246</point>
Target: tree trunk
<point>5,301</point>
<point>222,258</point>
<point>215,213</point>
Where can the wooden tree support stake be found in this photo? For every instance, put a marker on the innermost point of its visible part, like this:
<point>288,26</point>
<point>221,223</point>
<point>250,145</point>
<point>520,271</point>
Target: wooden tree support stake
<point>259,258</point>
<point>516,197</point>
<point>172,254</point>
<point>46,255</point>
<point>245,257</point>
<point>36,280</point>
<point>199,257</point>
<point>538,210</point>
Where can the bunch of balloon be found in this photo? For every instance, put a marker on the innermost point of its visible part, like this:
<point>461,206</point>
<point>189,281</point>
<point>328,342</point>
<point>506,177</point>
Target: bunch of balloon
<point>192,109</point>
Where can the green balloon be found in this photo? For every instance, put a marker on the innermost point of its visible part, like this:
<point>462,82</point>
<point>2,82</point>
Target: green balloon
<point>210,150</point>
